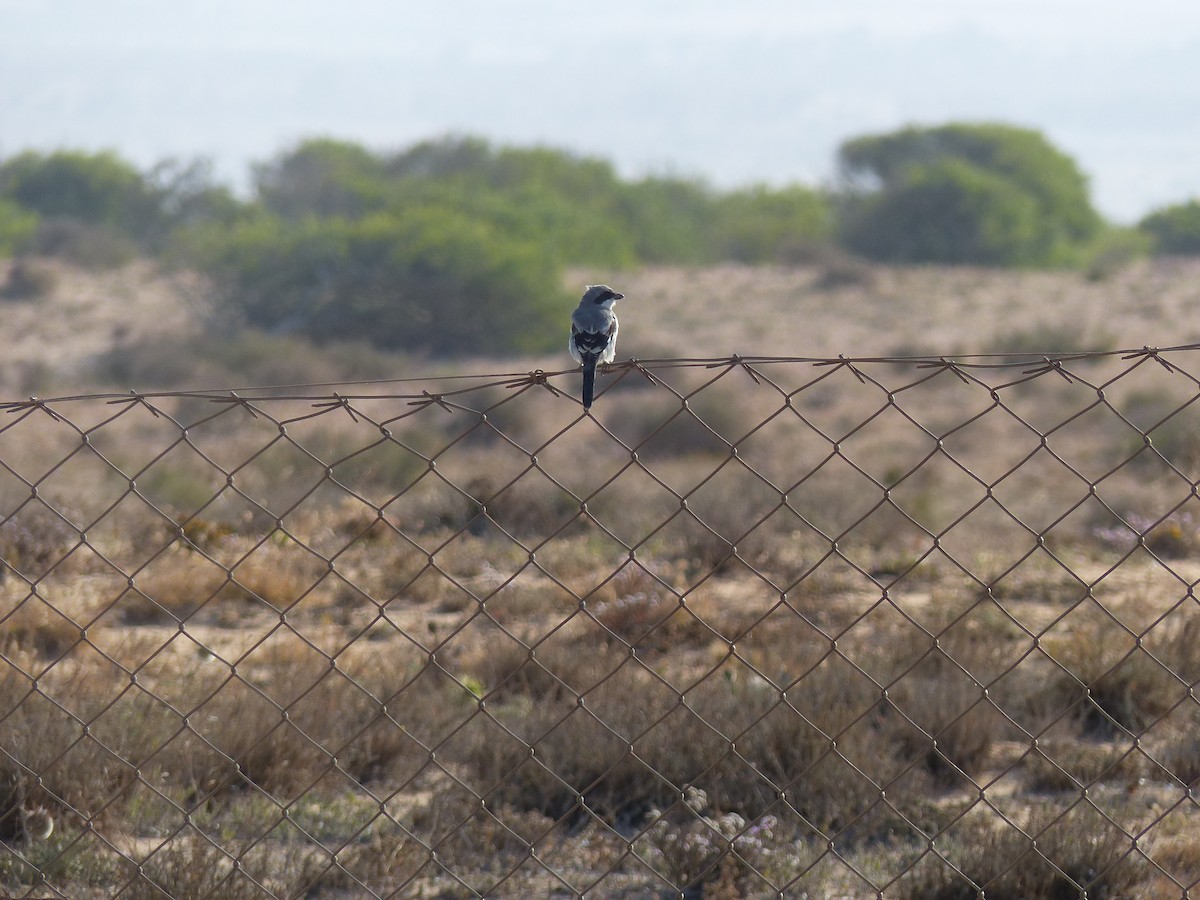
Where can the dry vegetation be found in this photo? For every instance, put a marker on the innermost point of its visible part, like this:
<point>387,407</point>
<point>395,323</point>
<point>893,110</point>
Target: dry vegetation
<point>823,631</point>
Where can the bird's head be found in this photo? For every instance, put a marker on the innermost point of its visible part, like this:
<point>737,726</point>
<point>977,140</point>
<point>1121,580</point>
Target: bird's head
<point>600,295</point>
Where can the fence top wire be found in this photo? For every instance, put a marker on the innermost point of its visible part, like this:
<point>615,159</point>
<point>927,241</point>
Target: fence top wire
<point>1027,363</point>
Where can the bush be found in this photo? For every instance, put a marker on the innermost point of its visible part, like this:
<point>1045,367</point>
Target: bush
<point>1058,853</point>
<point>575,208</point>
<point>430,281</point>
<point>94,188</point>
<point>454,245</point>
<point>948,212</point>
<point>1113,250</point>
<point>17,227</point>
<point>669,218</point>
<point>98,210</point>
<point>187,196</point>
<point>1174,230</point>
<point>321,178</point>
<point>567,206</point>
<point>965,193</point>
<point>759,224</point>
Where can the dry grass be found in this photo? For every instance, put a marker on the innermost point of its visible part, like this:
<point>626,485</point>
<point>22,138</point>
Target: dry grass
<point>903,311</point>
<point>773,640</point>
<point>1077,852</point>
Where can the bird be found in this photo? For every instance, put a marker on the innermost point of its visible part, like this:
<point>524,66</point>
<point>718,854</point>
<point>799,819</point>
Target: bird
<point>594,334</point>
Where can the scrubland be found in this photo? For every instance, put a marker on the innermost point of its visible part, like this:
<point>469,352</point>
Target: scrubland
<point>896,628</point>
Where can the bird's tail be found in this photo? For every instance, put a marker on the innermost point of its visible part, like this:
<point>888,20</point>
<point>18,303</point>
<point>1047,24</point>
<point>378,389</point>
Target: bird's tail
<point>589,380</point>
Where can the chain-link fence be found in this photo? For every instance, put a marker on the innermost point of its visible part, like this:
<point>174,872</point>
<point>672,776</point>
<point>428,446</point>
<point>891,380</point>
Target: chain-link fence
<point>753,627</point>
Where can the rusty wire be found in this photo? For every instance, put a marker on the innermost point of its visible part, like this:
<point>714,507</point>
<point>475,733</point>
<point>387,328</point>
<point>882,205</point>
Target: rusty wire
<point>754,626</point>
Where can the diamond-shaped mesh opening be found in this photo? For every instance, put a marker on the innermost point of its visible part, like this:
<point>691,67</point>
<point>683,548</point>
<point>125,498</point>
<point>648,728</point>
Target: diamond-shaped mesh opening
<point>1041,491</point>
<point>757,627</point>
<point>834,497</point>
<point>103,487</point>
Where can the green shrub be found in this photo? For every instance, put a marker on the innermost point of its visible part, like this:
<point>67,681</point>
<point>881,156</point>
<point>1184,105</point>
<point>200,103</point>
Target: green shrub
<point>17,227</point>
<point>321,178</point>
<point>94,188</point>
<point>549,198</point>
<point>964,193</point>
<point>759,224</point>
<point>949,211</point>
<point>1174,230</point>
<point>567,206</point>
<point>1112,250</point>
<point>669,218</point>
<point>430,281</point>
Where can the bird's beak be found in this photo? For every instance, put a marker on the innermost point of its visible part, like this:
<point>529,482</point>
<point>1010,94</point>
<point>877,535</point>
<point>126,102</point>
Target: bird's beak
<point>617,296</point>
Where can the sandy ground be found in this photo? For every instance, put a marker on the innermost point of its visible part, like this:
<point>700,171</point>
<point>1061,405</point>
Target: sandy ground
<point>87,314</point>
<point>882,311</point>
<point>809,311</point>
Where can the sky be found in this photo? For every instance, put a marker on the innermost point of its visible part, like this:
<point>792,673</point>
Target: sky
<point>758,91</point>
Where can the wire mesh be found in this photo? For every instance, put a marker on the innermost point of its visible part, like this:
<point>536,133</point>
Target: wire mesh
<point>752,627</point>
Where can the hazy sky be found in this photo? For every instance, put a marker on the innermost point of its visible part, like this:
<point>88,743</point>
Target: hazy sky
<point>757,90</point>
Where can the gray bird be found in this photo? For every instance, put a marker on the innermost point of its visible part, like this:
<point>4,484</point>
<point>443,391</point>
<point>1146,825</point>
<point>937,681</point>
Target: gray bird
<point>594,334</point>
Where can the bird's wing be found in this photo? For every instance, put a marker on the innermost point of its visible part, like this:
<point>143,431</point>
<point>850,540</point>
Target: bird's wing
<point>592,343</point>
